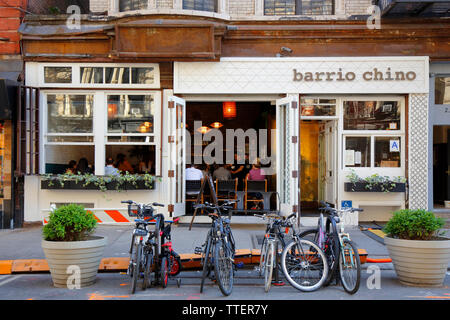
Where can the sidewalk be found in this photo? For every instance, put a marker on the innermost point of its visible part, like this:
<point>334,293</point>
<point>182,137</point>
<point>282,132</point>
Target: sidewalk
<point>26,243</point>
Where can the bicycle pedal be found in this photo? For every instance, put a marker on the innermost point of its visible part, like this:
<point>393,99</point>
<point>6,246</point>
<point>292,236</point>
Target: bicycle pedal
<point>198,250</point>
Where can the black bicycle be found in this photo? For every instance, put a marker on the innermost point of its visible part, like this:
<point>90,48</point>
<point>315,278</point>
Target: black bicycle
<point>340,251</point>
<point>219,248</point>
<point>144,243</point>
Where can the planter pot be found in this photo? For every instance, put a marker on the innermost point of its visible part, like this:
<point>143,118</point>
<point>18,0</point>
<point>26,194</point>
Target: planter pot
<point>419,262</point>
<point>361,187</point>
<point>85,254</point>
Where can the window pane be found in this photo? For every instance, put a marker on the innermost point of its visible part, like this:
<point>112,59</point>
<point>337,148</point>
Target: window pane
<point>140,139</point>
<point>298,7</point>
<point>91,75</point>
<point>58,74</point>
<point>277,7</point>
<point>117,75</point>
<point>442,90</point>
<point>131,158</point>
<point>130,114</point>
<point>387,152</point>
<point>70,113</point>
<point>318,107</point>
<point>143,75</point>
<point>371,115</point>
<point>127,5</point>
<point>357,152</point>
<point>202,5</point>
<point>60,158</point>
<point>89,139</point>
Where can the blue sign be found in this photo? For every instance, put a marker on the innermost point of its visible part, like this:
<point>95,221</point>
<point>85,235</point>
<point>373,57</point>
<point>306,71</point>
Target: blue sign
<point>346,203</point>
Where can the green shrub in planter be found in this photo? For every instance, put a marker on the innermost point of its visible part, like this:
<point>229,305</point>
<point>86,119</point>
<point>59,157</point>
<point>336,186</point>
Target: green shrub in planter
<point>69,223</point>
<point>413,225</point>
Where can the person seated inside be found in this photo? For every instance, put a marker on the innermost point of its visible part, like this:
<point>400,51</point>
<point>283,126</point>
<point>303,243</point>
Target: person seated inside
<point>222,173</point>
<point>83,167</point>
<point>71,169</point>
<point>256,174</point>
<point>110,169</point>
<point>193,173</point>
<point>146,165</point>
<point>123,165</point>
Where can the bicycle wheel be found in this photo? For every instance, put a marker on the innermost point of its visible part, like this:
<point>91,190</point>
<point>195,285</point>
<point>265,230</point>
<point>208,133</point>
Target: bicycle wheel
<point>349,267</point>
<point>268,268</point>
<point>206,261</point>
<point>262,258</point>
<point>223,267</point>
<point>175,264</point>
<point>164,271</point>
<point>136,263</point>
<point>148,270</point>
<point>328,250</point>
<point>304,265</point>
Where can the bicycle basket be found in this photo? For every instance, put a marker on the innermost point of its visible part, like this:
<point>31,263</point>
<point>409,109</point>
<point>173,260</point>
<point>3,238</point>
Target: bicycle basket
<point>148,212</point>
<point>133,210</point>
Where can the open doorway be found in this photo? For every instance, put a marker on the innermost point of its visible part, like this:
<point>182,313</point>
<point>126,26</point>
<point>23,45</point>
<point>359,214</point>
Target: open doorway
<point>441,167</point>
<point>256,122</point>
<point>318,164</point>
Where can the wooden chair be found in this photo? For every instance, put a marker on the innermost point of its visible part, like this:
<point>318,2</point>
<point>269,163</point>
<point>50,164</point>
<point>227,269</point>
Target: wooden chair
<point>224,189</point>
<point>252,187</point>
<point>193,188</point>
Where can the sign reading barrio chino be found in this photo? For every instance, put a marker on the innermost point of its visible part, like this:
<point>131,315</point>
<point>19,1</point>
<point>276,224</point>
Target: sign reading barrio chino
<point>320,75</point>
<point>374,75</point>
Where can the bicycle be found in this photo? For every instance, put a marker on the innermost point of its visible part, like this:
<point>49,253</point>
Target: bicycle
<point>219,248</point>
<point>170,262</point>
<point>303,263</point>
<point>269,248</point>
<point>143,243</point>
<point>338,247</point>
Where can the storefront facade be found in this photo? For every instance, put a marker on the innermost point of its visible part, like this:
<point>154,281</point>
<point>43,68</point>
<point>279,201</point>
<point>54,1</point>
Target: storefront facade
<point>365,109</point>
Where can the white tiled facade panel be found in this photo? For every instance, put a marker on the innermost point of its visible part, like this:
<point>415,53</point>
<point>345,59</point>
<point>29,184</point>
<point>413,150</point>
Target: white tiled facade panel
<point>240,8</point>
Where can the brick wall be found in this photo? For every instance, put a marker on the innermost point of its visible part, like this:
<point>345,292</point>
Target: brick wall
<point>10,19</point>
<point>98,5</point>
<point>241,7</point>
<point>164,4</point>
<point>357,7</point>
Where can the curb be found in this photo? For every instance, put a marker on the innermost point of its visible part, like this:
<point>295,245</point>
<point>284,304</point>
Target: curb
<point>189,261</point>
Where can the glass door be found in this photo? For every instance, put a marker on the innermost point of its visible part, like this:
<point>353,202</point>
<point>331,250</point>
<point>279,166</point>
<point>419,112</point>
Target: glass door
<point>288,122</point>
<point>177,156</point>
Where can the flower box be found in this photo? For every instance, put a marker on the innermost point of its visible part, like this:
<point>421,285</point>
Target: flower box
<point>74,185</point>
<point>362,187</point>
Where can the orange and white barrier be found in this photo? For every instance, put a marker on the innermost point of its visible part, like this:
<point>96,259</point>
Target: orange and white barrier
<point>104,216</point>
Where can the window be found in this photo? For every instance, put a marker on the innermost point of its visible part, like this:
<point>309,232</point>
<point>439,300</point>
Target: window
<point>127,5</point>
<point>371,115</point>
<point>298,7</point>
<point>387,151</point>
<point>58,74</point>
<point>201,5</point>
<point>125,122</point>
<point>68,113</point>
<point>130,114</point>
<point>357,152</point>
<point>318,107</point>
<point>442,90</point>
<point>91,75</point>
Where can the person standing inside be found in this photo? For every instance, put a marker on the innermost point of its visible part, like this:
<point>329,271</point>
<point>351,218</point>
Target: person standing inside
<point>123,165</point>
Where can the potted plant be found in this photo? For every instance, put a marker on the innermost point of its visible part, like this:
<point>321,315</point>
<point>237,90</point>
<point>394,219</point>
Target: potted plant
<point>419,253</point>
<point>69,246</point>
<point>374,183</point>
